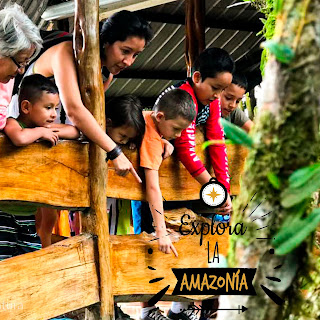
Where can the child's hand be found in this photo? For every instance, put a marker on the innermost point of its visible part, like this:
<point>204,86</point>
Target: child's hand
<point>226,208</point>
<point>168,149</point>
<point>50,135</point>
<point>165,245</point>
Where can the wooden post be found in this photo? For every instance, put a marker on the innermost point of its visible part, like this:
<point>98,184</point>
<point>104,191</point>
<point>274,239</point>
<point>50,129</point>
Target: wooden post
<point>195,31</point>
<point>86,46</point>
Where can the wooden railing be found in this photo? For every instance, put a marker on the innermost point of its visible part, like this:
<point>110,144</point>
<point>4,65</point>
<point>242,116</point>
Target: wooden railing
<point>93,269</point>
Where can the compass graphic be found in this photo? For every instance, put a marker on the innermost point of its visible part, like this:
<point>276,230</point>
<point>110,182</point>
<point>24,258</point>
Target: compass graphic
<point>214,193</point>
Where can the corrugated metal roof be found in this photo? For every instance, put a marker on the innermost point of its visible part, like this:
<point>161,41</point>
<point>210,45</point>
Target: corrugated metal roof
<point>166,51</point>
<point>162,62</point>
<point>32,8</point>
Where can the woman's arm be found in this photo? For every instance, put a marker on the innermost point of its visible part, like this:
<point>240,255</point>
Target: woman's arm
<point>64,70</point>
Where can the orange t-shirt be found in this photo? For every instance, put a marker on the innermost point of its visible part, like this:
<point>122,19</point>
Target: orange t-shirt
<point>152,146</point>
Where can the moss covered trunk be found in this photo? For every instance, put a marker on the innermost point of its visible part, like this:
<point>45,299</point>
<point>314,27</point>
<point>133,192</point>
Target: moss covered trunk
<point>286,138</point>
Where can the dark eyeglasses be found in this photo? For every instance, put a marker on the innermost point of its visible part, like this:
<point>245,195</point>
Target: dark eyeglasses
<point>19,65</point>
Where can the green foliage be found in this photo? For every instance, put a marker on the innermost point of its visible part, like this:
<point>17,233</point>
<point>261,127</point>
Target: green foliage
<point>282,52</point>
<point>269,8</point>
<point>277,6</point>
<point>236,134</point>
<point>302,183</point>
<point>208,143</point>
<point>274,180</point>
<point>303,175</point>
<point>292,235</point>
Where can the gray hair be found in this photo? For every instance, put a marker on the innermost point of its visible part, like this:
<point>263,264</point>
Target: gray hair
<point>17,32</point>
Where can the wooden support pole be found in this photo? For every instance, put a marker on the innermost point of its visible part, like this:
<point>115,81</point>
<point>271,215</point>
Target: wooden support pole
<point>86,45</point>
<point>195,31</point>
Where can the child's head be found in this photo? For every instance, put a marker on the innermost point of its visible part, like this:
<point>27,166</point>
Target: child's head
<point>124,120</point>
<point>174,111</point>
<point>211,74</point>
<point>233,94</point>
<point>38,100</point>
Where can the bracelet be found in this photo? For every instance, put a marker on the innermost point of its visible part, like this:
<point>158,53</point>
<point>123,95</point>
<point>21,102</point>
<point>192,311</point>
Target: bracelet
<point>114,153</point>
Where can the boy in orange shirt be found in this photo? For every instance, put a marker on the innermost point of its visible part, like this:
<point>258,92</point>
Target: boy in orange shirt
<point>172,113</point>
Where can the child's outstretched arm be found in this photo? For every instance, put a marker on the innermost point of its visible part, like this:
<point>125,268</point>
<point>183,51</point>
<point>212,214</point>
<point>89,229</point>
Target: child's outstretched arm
<point>24,136</point>
<point>154,198</point>
<point>66,131</point>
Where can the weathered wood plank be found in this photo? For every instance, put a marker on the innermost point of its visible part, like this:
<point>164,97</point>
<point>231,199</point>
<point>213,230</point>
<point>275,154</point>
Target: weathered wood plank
<point>58,175</point>
<point>175,181</point>
<point>130,261</point>
<point>39,173</point>
<point>63,277</point>
<point>49,282</point>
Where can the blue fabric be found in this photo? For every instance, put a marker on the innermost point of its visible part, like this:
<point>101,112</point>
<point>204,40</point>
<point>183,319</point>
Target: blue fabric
<point>219,217</point>
<point>136,216</point>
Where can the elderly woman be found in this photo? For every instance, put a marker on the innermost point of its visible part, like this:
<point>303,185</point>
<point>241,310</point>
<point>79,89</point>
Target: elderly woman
<point>20,41</point>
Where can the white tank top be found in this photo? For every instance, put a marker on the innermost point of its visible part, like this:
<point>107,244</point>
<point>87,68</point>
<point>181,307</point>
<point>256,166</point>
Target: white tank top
<point>13,109</point>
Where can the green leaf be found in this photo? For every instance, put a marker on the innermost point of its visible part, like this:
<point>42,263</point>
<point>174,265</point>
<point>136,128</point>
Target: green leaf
<point>301,176</point>
<point>298,232</point>
<point>208,143</point>
<point>282,52</point>
<point>236,134</point>
<point>293,195</point>
<point>274,180</point>
<point>263,20</point>
<point>277,6</point>
<point>294,216</point>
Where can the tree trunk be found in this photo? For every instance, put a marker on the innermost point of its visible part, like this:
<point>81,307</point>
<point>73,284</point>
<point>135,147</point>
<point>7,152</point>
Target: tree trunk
<point>195,31</point>
<point>86,46</point>
<point>286,138</point>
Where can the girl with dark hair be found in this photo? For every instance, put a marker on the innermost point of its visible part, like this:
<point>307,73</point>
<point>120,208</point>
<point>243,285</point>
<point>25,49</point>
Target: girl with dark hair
<point>125,122</point>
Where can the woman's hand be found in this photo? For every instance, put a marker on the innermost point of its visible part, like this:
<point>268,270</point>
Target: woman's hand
<point>123,166</point>
<point>168,149</point>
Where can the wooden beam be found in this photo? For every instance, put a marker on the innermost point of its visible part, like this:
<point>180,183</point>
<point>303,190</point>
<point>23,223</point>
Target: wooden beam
<point>195,31</point>
<point>87,57</point>
<point>176,183</point>
<point>217,23</point>
<point>49,282</point>
<point>131,5</point>
<point>108,7</point>
<point>63,277</point>
<point>129,251</point>
<point>41,174</point>
<point>38,173</point>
